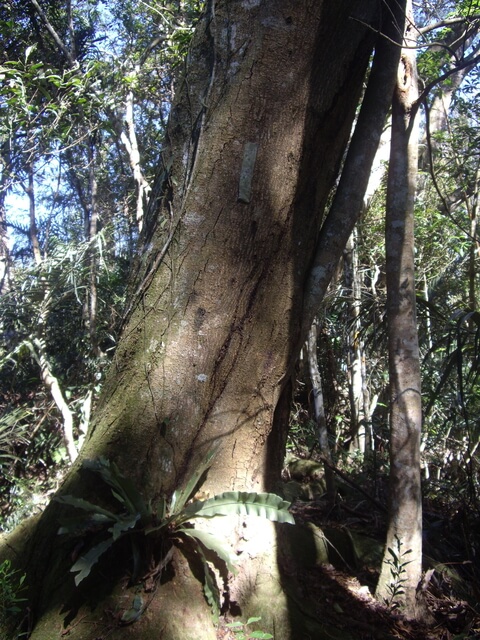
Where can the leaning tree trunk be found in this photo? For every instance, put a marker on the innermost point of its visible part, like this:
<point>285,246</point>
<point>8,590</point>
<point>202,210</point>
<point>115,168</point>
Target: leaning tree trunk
<point>402,564</point>
<point>257,134</point>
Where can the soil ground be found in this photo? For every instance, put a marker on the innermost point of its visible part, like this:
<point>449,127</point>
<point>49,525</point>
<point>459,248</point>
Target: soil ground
<point>338,592</point>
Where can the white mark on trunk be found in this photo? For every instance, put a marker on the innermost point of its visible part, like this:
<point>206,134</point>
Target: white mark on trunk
<point>233,36</point>
<point>193,218</point>
<point>153,345</point>
<point>247,171</point>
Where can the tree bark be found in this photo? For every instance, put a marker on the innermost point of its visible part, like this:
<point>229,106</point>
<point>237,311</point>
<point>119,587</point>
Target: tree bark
<point>257,133</point>
<point>91,230</point>
<point>349,197</point>
<point>319,408</point>
<point>402,563</point>
<point>38,348</point>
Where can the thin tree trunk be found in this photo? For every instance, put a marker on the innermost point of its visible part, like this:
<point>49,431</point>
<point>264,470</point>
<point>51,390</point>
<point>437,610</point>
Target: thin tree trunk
<point>50,28</point>
<point>33,231</point>
<point>474,250</point>
<point>348,202</point>
<point>129,139</point>
<point>38,342</point>
<point>319,407</point>
<point>39,352</point>
<point>53,385</point>
<point>92,229</point>
<point>4,250</point>
<point>358,392</point>
<point>402,563</point>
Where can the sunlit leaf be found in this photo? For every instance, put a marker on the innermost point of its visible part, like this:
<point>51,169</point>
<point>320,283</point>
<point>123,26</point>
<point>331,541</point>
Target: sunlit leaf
<point>265,505</point>
<point>214,544</point>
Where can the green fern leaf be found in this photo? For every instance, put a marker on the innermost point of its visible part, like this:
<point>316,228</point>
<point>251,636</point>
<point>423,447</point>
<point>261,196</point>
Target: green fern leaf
<point>85,563</point>
<point>265,505</point>
<point>123,525</point>
<point>214,544</point>
<point>210,587</point>
<point>79,503</point>
<point>181,496</point>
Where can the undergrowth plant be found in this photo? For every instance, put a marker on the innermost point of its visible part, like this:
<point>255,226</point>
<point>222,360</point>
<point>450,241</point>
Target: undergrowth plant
<point>171,523</point>
<point>13,428</point>
<point>242,631</point>
<point>11,601</point>
<point>398,571</point>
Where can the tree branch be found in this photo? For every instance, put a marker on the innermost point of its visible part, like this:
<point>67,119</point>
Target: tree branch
<point>447,22</point>
<point>71,60</point>
<point>468,62</point>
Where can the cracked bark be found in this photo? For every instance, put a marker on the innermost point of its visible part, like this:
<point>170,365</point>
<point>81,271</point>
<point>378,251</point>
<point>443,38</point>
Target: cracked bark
<point>215,325</point>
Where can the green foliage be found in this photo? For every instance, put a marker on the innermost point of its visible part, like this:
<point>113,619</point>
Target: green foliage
<point>12,604</point>
<point>62,123</point>
<point>242,631</point>
<point>137,520</point>
<point>52,294</point>
<point>302,430</point>
<point>42,314</point>
<point>397,565</point>
<point>430,63</point>
<point>13,428</point>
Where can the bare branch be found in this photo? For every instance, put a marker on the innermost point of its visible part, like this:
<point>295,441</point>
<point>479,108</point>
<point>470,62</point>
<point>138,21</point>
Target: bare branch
<point>71,60</point>
<point>446,23</point>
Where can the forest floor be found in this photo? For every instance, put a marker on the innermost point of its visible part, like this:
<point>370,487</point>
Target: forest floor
<point>336,586</point>
<point>341,588</point>
<point>336,590</point>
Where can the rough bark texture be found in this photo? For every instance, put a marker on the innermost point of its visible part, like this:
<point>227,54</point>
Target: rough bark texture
<point>257,135</point>
<point>401,571</point>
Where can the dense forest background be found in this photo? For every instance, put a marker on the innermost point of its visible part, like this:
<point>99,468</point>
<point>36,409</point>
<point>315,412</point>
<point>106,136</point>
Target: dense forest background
<point>85,94</point>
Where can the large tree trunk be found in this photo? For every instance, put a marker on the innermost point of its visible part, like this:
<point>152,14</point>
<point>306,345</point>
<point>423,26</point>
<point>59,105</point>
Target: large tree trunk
<point>402,564</point>
<point>257,135</point>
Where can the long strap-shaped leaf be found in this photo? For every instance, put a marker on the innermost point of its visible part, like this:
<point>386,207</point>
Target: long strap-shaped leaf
<point>265,505</point>
<point>80,503</point>
<point>123,488</point>
<point>85,563</point>
<point>212,543</point>
<point>180,496</point>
